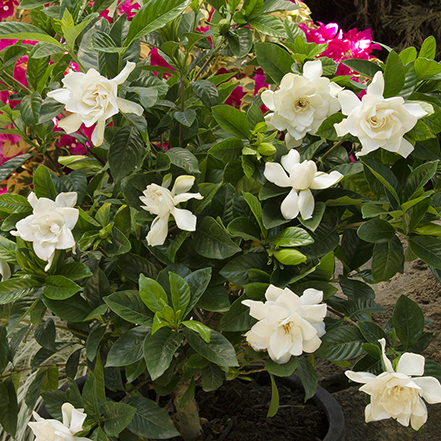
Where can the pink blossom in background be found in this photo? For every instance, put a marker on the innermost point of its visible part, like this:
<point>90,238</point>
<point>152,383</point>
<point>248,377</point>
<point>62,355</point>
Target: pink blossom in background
<point>158,60</point>
<point>75,147</point>
<point>7,8</point>
<point>124,8</point>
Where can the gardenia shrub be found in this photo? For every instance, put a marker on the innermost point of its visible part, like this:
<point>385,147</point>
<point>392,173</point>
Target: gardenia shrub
<point>183,240</point>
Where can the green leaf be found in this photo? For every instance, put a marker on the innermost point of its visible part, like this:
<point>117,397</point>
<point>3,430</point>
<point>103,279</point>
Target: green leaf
<point>408,321</point>
<point>218,351</point>
<point>75,181</point>
<point>384,175</point>
<point>269,25</point>
<point>128,305</point>
<point>236,270</point>
<point>418,178</point>
<point>90,397</point>
<point>103,42</point>
<point>184,159</point>
<point>394,75</point>
<point>12,164</point>
<point>153,16</point>
<point>180,292</point>
<point>31,4</point>
<point>371,331</point>
<point>93,341</point>
<point>186,118</point>
<point>212,377</point>
<point>231,120</point>
<point>274,404</point>
<point>290,257</point>
<point>341,343</point>
<point>325,237</point>
<point>364,67</point>
<point>308,376</point>
<point>282,370</point>
<point>74,271</point>
<point>150,420</point>
<point>240,42</point>
<point>256,208</point>
<point>244,228</point>
<point>203,330</point>
<point>25,31</point>
<point>413,215</point>
<point>428,48</point>
<point>43,184</point>
<point>116,417</point>
<point>327,129</point>
<point>292,237</point>
<point>151,293</point>
<point>14,203</point>
<point>74,309</point>
<point>159,349</point>
<point>14,289</point>
<point>426,69</point>
<point>128,348</point>
<point>227,151</point>
<point>198,282</point>
<point>275,61</point>
<point>126,151</point>
<point>9,407</point>
<point>206,91</point>
<point>211,240</point>
<point>30,107</point>
<point>376,231</point>
<point>427,248</point>
<point>119,243</point>
<point>238,318</point>
<point>387,259</point>
<point>60,288</point>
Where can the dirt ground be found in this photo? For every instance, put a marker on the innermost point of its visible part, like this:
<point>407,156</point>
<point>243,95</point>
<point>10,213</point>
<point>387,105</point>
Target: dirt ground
<point>419,284</point>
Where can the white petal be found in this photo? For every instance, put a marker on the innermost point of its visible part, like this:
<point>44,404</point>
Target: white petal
<point>431,389</point>
<point>61,95</point>
<point>185,219</point>
<point>341,129</point>
<point>71,123</point>
<point>182,184</point>
<point>415,110</point>
<point>416,421</point>
<point>377,85</point>
<point>126,106</point>
<point>311,296</point>
<point>183,197</point>
<point>32,199</point>
<point>387,363</point>
<point>124,74</point>
<point>290,205</point>
<point>98,133</point>
<point>360,377</point>
<point>275,173</point>
<point>406,148</point>
<point>70,216</point>
<point>325,180</point>
<point>158,231</point>
<point>273,293</point>
<point>258,310</point>
<point>67,199</point>
<point>348,101</point>
<point>268,99</point>
<point>292,158</point>
<point>411,364</point>
<point>65,239</point>
<point>76,420</point>
<point>313,69</point>
<point>42,430</point>
<point>306,204</point>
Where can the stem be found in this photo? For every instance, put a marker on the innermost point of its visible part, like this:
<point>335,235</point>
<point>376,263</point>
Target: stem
<point>208,61</point>
<point>337,144</point>
<point>342,316</point>
<point>16,82</point>
<point>190,425</point>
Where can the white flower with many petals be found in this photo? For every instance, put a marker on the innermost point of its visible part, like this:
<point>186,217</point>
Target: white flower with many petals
<point>54,430</point>
<point>302,177</point>
<point>162,202</point>
<point>377,121</point>
<point>50,224</point>
<point>399,394</point>
<point>92,99</point>
<point>302,103</point>
<point>288,324</point>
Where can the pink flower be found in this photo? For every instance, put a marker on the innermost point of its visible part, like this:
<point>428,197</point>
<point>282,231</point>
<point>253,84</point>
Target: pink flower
<point>7,8</point>
<point>72,144</point>
<point>157,60</point>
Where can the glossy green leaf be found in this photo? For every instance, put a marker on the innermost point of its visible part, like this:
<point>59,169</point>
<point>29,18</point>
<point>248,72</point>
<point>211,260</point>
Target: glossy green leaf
<point>394,75</point>
<point>158,350</point>
<point>308,376</point>
<point>292,237</point>
<point>364,67</point>
<point>128,348</point>
<point>282,370</point>
<point>151,293</point>
<point>128,305</point>
<point>342,343</point>
<point>74,271</point>
<point>275,61</point>
<point>116,417</point>
<point>408,321</point>
<point>376,231</point>
<point>14,203</point>
<point>387,259</point>
<point>427,248</point>
<point>60,288</point>
<point>74,309</point>
<point>14,289</point>
<point>231,120</point>
<point>25,31</point>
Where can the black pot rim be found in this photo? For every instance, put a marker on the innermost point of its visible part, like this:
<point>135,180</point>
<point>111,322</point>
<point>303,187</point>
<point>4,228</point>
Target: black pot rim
<point>323,399</point>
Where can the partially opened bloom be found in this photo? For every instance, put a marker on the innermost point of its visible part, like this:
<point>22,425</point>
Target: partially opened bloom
<point>54,430</point>
<point>378,121</point>
<point>161,201</point>
<point>302,177</point>
<point>50,225</point>
<point>288,324</point>
<point>399,394</point>
<point>92,99</point>
<point>302,103</point>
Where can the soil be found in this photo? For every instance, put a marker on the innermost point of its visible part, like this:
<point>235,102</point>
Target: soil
<point>420,285</point>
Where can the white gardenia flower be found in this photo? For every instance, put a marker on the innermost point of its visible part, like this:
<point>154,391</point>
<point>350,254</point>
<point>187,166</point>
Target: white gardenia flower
<point>377,121</point>
<point>92,99</point>
<point>302,177</point>
<point>302,103</point>
<point>161,201</point>
<point>288,324</point>
<point>50,224</point>
<point>54,430</point>
<point>399,394</point>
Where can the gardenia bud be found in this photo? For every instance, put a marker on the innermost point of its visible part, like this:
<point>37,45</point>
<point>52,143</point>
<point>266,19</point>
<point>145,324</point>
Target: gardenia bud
<point>224,26</point>
<point>266,149</point>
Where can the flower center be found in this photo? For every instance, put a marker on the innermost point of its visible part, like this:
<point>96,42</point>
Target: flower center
<point>301,104</point>
<point>287,328</point>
